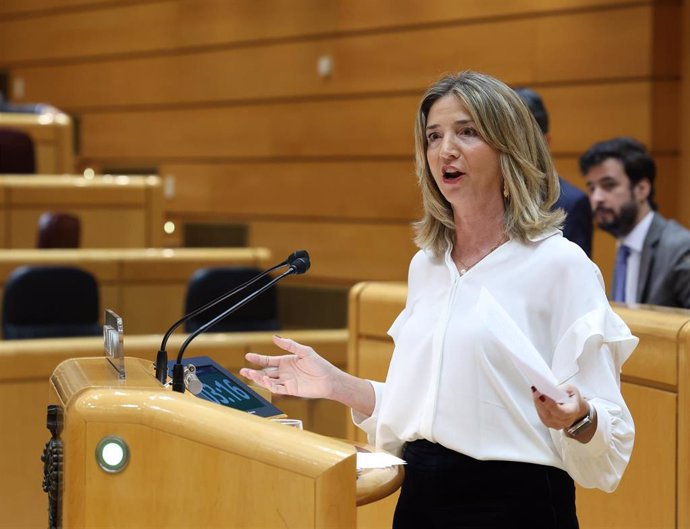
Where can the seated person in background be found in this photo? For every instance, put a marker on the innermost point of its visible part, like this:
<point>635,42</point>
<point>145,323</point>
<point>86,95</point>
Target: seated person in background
<point>494,278</point>
<point>575,203</point>
<point>653,258</point>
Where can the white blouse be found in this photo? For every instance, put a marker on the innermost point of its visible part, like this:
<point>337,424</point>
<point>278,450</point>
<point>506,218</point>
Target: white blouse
<point>452,381</point>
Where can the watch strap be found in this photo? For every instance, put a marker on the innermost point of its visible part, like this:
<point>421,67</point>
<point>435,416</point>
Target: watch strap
<point>582,425</point>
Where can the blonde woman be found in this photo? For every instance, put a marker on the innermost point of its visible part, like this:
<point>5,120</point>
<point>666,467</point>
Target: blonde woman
<point>494,282</point>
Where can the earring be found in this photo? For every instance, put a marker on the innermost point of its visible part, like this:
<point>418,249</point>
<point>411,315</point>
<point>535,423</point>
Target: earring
<point>506,194</point>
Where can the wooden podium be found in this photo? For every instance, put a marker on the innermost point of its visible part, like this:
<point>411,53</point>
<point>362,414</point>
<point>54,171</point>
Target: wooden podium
<point>190,463</point>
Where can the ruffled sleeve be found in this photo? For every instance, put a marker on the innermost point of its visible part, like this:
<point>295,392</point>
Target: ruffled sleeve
<point>589,356</point>
<point>598,327</point>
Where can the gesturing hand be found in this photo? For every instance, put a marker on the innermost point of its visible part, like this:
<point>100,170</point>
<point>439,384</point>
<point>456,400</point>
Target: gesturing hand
<point>303,373</point>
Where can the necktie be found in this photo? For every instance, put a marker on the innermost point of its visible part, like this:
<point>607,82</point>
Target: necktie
<point>620,272</point>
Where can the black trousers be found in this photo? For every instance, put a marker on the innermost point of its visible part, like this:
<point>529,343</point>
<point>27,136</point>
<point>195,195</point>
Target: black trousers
<point>444,489</point>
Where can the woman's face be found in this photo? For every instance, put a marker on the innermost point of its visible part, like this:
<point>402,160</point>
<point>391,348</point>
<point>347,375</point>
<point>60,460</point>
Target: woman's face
<point>463,165</point>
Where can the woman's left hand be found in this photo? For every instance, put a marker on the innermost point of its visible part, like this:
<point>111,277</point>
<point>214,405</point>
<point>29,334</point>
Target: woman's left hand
<point>560,415</point>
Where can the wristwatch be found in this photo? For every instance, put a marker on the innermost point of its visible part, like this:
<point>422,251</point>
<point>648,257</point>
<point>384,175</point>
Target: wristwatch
<point>582,425</point>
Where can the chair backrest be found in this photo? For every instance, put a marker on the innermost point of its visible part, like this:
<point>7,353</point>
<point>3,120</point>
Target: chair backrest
<point>50,302</point>
<point>17,155</point>
<point>207,284</point>
<point>58,230</point>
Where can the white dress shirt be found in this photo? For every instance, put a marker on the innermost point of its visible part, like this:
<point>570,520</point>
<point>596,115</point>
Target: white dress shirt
<point>451,379</point>
<point>635,242</point>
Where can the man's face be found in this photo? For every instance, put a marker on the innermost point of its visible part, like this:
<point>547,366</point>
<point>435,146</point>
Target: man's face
<point>615,203</point>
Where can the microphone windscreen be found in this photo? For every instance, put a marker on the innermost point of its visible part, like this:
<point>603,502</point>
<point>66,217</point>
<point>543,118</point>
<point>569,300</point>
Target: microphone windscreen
<point>297,255</point>
<point>300,265</point>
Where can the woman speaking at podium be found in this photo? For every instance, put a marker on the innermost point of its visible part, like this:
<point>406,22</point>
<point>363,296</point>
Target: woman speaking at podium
<point>504,385</point>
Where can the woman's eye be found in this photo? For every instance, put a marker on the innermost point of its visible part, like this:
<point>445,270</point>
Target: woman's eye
<point>467,131</point>
<point>433,136</point>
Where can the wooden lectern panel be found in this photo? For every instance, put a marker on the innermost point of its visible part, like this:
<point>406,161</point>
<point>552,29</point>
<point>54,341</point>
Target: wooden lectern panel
<point>192,463</point>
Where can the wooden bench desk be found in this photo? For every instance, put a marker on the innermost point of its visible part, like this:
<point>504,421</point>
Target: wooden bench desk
<point>117,211</point>
<point>52,135</point>
<point>145,286</point>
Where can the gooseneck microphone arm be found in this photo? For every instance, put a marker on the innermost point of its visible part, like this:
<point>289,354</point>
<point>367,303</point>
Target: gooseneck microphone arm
<point>162,356</point>
<point>299,266</point>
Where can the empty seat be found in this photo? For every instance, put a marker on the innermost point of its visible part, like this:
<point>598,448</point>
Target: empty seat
<point>207,284</point>
<point>17,154</point>
<point>50,302</point>
<point>58,230</point>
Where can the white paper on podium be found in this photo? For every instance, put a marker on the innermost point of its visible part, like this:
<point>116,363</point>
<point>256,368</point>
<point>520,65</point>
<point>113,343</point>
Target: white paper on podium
<point>522,352</point>
<point>377,460</point>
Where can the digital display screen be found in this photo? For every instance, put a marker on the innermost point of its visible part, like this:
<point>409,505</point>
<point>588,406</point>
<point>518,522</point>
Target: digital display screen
<point>220,389</point>
<point>224,388</point>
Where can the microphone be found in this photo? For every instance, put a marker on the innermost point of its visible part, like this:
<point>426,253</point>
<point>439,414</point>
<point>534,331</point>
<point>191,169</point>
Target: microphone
<point>298,266</point>
<point>162,356</point>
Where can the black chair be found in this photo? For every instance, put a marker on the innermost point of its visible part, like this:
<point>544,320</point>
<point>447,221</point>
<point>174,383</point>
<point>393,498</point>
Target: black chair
<point>17,155</point>
<point>50,302</point>
<point>58,230</point>
<point>207,284</point>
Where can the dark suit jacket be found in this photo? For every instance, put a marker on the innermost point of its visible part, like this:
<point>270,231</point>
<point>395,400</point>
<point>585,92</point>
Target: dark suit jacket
<point>665,265</point>
<point>578,222</point>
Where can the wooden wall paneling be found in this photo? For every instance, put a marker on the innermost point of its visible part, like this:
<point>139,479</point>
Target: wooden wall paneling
<point>667,183</point>
<point>665,118</point>
<point>683,209</point>
<point>583,115</point>
<point>385,190</point>
<point>362,127</point>
<point>376,126</point>
<point>667,27</point>
<point>40,7</point>
<point>158,26</point>
<point>592,45</point>
<point>341,253</point>
<point>545,49</point>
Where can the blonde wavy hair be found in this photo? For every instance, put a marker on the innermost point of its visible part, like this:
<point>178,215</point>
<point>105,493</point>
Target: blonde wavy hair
<point>505,123</point>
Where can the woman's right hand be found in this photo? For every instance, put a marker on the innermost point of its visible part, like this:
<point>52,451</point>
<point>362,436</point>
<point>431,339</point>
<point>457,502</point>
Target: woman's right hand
<point>303,373</point>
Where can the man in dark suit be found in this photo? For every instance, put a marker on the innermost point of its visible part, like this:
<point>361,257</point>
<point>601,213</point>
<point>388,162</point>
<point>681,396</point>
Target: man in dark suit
<point>653,258</point>
<point>575,203</point>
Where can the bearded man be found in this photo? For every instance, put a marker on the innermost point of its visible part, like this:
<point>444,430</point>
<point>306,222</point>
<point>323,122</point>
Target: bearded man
<point>653,256</point>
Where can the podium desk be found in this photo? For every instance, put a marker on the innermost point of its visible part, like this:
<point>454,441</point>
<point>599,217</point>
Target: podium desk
<point>114,211</point>
<point>189,463</point>
<point>145,286</point>
<point>26,366</point>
